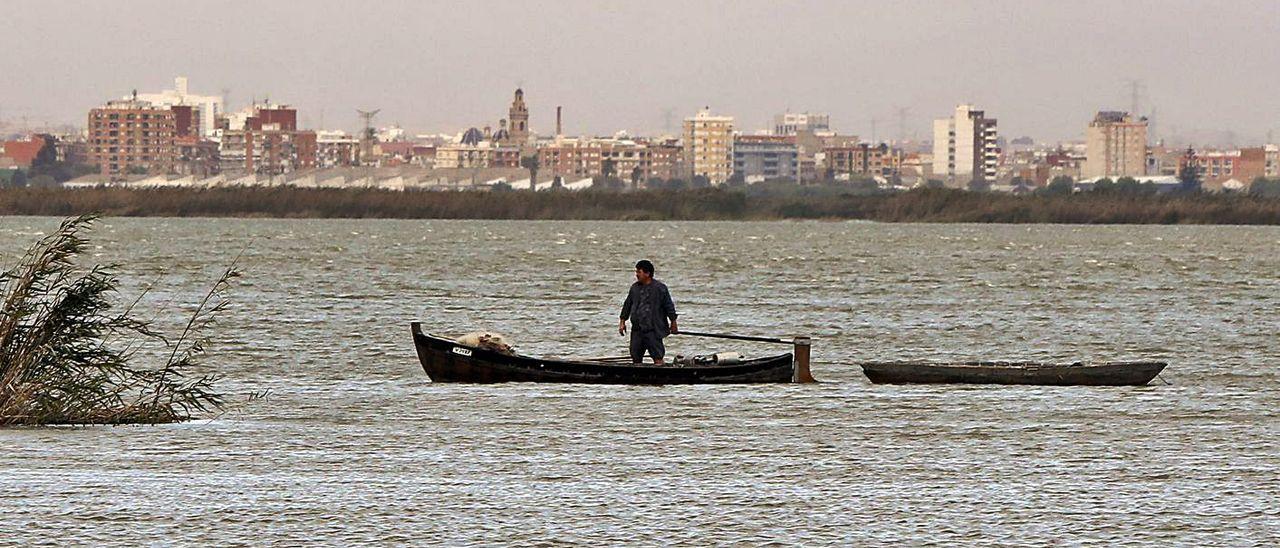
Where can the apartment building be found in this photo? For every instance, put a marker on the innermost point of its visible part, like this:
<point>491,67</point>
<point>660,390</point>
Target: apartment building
<point>1116,146</point>
<point>965,147</point>
<point>708,146</point>
<point>131,137</point>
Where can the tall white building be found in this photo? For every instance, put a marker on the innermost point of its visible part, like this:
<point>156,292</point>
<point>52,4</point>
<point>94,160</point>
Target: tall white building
<point>210,106</point>
<point>791,123</point>
<point>708,146</point>
<point>965,147</point>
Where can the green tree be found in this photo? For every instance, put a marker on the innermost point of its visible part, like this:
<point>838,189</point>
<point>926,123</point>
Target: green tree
<point>531,163</point>
<point>1263,187</point>
<point>1189,178</point>
<point>636,175</point>
<point>608,168</point>
<point>1061,185</point>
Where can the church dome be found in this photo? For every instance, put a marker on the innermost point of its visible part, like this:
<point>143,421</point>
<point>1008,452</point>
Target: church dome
<point>472,136</point>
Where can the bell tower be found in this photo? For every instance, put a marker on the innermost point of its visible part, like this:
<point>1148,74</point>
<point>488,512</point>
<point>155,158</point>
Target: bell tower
<point>519,117</point>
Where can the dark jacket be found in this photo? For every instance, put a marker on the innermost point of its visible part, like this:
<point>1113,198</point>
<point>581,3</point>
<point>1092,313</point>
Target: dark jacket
<point>649,307</point>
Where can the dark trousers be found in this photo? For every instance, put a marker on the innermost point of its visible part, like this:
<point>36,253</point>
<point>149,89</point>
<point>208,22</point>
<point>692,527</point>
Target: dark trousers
<point>646,341</point>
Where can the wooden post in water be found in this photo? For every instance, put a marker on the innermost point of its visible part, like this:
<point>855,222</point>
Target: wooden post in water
<point>801,353</point>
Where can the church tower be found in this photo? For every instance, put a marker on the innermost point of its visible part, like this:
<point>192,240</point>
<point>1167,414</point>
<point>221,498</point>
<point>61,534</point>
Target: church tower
<point>519,119</point>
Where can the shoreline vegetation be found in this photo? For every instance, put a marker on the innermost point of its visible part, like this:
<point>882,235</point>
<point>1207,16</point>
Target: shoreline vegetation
<point>69,354</point>
<point>831,202</point>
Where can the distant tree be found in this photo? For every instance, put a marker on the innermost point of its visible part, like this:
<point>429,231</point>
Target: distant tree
<point>1061,185</point>
<point>978,185</point>
<point>737,180</point>
<point>1263,187</point>
<point>500,186</point>
<point>531,163</point>
<point>608,167</point>
<point>48,153</point>
<point>1189,179</point>
<point>557,182</point>
<point>934,183</point>
<point>1128,185</point>
<point>19,179</point>
<point>636,175</point>
<point>699,181</point>
<point>1104,184</point>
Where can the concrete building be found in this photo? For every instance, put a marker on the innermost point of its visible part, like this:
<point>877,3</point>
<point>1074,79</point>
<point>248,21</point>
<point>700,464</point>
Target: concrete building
<point>572,158</point>
<point>131,137</point>
<point>863,160</point>
<point>264,139</point>
<point>965,147</point>
<point>791,123</point>
<point>209,106</point>
<point>1116,146</point>
<point>763,157</point>
<point>336,149</point>
<point>708,146</point>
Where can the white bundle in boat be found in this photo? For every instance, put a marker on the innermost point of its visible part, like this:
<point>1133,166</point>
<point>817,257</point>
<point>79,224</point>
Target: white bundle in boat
<point>488,340</point>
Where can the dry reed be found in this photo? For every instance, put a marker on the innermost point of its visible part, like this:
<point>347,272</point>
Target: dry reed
<point>67,353</point>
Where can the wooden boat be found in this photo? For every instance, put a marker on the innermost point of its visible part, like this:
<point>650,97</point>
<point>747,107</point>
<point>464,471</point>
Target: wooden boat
<point>1083,374</point>
<point>446,360</point>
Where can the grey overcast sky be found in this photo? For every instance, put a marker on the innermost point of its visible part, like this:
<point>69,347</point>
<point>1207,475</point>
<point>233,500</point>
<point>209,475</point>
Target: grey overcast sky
<point>1041,67</point>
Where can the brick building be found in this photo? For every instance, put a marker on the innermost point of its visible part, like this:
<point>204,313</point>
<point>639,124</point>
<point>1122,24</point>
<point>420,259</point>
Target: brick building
<point>132,137</point>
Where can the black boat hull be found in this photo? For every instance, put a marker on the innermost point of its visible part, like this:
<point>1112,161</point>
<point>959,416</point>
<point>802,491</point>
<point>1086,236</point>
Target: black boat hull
<point>1100,374</point>
<point>445,360</point>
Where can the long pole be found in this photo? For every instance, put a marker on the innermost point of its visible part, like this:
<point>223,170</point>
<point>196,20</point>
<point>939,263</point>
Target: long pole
<point>733,337</point>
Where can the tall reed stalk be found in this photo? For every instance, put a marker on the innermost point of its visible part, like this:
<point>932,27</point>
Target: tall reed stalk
<point>68,352</point>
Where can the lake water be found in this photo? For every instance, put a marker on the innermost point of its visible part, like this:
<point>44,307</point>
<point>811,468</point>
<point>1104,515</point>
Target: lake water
<point>354,444</point>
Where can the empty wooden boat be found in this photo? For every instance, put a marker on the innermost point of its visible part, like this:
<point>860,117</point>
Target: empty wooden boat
<point>1082,374</point>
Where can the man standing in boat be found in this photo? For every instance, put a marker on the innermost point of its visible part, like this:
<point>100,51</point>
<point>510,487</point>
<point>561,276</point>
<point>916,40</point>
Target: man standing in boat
<point>649,307</point>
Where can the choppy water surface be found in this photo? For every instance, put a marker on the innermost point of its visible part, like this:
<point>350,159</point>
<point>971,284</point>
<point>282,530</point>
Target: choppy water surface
<point>355,444</point>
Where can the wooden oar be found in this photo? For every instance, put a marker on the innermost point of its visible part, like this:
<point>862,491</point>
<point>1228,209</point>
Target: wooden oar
<point>734,337</point>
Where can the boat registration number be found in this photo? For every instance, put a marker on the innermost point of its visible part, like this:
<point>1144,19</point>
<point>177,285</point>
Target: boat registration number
<point>461,351</point>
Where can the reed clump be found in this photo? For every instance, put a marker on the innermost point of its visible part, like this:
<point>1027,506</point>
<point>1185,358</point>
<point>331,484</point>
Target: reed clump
<point>68,351</point>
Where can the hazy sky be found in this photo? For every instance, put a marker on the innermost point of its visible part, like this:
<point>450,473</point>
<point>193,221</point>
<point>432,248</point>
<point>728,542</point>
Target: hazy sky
<point>1041,68</point>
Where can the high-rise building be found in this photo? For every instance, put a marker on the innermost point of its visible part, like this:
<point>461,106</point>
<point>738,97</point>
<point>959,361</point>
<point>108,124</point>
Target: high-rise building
<point>965,147</point>
<point>210,106</point>
<point>1115,146</point>
<point>708,146</point>
<point>764,157</point>
<point>131,137</point>
<point>791,123</point>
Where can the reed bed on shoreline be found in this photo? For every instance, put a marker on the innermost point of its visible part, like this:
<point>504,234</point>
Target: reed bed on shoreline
<point>68,352</point>
<point>921,205</point>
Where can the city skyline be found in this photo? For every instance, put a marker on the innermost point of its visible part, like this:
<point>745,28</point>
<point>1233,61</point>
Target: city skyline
<point>1043,70</point>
